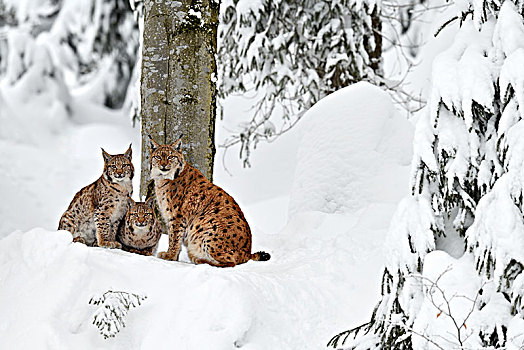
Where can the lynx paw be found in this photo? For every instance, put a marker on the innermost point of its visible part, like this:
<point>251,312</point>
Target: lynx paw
<point>167,256</point>
<point>111,245</point>
<point>79,240</point>
<point>141,252</point>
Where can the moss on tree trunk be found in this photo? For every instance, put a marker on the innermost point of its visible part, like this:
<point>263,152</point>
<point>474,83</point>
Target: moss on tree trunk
<point>178,79</point>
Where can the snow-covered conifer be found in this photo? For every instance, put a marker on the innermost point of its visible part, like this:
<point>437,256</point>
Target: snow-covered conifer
<point>467,191</point>
<point>90,46</point>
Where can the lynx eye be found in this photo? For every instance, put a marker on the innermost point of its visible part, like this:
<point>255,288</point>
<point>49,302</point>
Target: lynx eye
<point>126,165</point>
<point>157,157</point>
<point>171,157</point>
<point>112,166</point>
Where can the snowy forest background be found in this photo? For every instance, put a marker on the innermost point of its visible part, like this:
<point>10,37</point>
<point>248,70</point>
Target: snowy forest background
<point>389,193</point>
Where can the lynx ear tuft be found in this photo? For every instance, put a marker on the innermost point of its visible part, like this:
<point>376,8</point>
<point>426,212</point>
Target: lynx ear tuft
<point>129,152</point>
<point>107,156</point>
<point>150,202</point>
<point>176,145</point>
<point>152,144</point>
<point>130,201</point>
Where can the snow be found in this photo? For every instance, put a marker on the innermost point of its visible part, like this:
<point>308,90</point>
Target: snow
<point>42,169</point>
<point>463,73</point>
<point>194,13</point>
<point>424,46</point>
<point>262,305</point>
<point>286,82</point>
<point>449,304</point>
<point>509,30</point>
<point>456,241</point>
<point>330,200</point>
<point>191,306</point>
<point>511,75</point>
<point>245,7</point>
<point>458,305</point>
<point>353,151</point>
<point>410,227</point>
<point>498,226</point>
<point>322,276</point>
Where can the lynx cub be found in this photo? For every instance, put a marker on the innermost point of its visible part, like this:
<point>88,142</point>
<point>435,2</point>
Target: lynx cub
<point>140,231</point>
<point>197,213</point>
<point>97,209</point>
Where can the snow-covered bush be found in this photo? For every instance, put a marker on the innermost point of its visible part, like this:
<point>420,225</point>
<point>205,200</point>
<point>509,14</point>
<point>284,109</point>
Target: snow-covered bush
<point>467,189</point>
<point>110,316</point>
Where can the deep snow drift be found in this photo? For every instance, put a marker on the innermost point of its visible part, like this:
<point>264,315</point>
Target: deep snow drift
<point>323,275</point>
<point>351,153</point>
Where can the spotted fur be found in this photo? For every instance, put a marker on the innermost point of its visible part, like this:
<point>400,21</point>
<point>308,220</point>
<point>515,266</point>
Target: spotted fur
<point>97,209</point>
<point>197,213</point>
<point>140,231</point>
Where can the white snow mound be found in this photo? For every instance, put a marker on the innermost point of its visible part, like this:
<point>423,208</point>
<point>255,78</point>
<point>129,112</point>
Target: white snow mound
<point>353,152</point>
<point>297,300</point>
<point>47,282</point>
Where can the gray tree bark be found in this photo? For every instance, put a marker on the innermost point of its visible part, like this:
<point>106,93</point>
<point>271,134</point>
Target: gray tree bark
<point>178,84</point>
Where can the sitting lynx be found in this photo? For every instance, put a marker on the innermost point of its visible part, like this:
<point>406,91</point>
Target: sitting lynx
<point>140,231</point>
<point>97,209</point>
<point>197,213</point>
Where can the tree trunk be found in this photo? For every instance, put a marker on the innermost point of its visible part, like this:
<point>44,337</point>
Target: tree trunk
<point>375,51</point>
<point>178,79</point>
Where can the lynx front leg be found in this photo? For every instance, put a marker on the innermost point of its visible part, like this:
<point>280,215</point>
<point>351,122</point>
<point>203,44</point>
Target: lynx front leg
<point>104,229</point>
<point>66,223</point>
<point>176,233</point>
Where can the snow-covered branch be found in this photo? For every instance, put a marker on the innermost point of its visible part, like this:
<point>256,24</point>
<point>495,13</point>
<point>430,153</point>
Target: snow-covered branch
<point>110,316</point>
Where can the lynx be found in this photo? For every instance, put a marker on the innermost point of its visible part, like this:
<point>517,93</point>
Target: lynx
<point>140,231</point>
<point>97,209</point>
<point>197,213</point>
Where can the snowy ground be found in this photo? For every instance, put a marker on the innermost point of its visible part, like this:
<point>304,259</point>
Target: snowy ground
<point>319,200</point>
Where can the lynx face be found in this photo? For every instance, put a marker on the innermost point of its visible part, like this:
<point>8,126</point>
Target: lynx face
<point>140,231</point>
<point>141,215</point>
<point>167,162</point>
<point>118,168</point>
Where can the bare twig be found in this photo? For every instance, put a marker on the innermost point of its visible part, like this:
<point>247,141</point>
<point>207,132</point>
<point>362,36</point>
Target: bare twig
<point>433,287</point>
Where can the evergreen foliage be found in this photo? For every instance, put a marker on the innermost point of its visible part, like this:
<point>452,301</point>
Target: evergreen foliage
<point>295,53</point>
<point>467,181</point>
<point>110,316</point>
<point>90,45</point>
